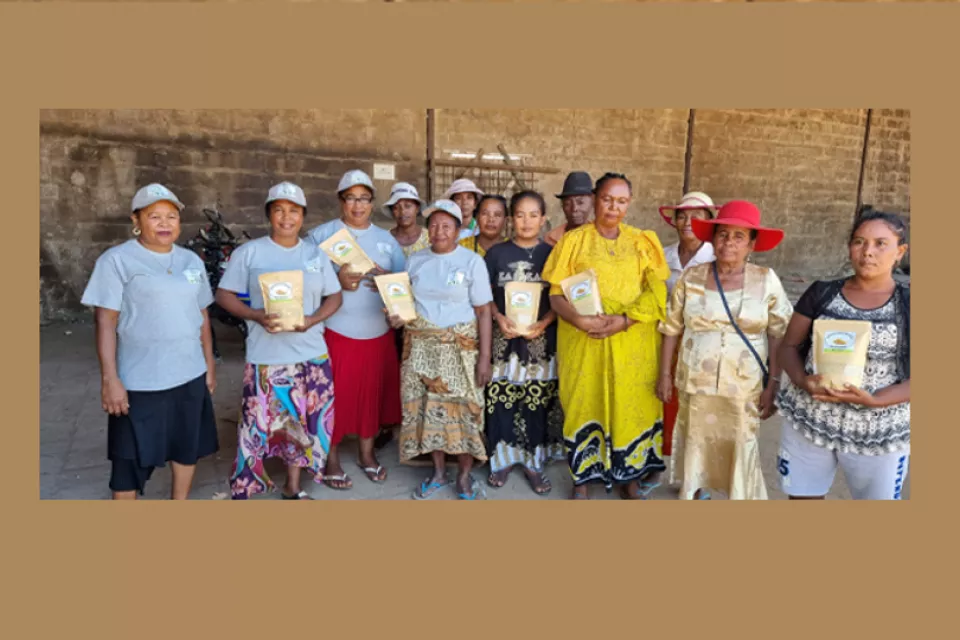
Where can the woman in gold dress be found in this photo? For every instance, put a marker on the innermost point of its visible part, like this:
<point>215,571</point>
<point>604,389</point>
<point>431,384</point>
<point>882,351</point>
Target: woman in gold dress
<point>720,376</point>
<point>608,363</point>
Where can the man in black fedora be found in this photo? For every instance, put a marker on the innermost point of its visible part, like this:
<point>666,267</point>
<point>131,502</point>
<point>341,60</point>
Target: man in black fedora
<point>577,201</point>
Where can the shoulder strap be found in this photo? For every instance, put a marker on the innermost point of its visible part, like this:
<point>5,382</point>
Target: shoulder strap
<point>746,341</point>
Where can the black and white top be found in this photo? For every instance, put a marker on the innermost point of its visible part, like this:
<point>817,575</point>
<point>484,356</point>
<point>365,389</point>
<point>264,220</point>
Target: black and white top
<point>848,428</point>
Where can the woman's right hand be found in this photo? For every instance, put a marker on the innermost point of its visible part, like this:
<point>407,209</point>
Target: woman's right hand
<point>113,397</point>
<point>813,386</point>
<point>349,279</point>
<point>270,322</point>
<point>665,388</point>
<point>395,322</point>
<point>507,326</point>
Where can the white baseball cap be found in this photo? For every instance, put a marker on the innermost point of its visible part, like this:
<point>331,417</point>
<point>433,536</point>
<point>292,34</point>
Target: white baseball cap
<point>354,178</point>
<point>401,191</point>
<point>287,191</point>
<point>151,193</point>
<point>444,206</point>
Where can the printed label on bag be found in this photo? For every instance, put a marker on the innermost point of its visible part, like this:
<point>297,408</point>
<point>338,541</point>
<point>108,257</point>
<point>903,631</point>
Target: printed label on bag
<point>580,291</point>
<point>521,300</point>
<point>397,290</point>
<point>341,249</point>
<point>839,341</point>
<point>280,292</point>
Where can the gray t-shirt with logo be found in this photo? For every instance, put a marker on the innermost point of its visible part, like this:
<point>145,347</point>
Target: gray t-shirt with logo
<point>361,317</point>
<point>447,286</point>
<point>161,298</point>
<point>263,255</point>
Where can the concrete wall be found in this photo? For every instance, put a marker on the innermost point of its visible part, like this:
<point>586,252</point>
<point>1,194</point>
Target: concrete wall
<point>800,166</point>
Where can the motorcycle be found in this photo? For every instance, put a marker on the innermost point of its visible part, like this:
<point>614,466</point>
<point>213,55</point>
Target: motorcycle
<point>215,243</point>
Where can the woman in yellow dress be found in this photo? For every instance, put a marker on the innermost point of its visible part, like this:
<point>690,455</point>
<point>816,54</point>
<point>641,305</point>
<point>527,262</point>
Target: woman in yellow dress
<point>613,421</point>
<point>720,376</point>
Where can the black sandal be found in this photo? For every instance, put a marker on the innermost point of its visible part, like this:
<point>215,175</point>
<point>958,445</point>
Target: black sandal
<point>302,495</point>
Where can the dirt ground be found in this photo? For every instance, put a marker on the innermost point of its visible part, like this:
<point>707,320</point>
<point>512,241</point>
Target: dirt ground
<point>73,464</point>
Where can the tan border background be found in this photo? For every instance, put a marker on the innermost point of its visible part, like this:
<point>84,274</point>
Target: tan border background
<point>500,568</point>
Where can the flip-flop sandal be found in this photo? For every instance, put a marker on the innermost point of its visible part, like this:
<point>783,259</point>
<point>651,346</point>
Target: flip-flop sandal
<point>491,479</point>
<point>543,488</point>
<point>344,478</point>
<point>373,473</point>
<point>468,496</point>
<point>300,496</point>
<point>705,495</point>
<point>647,487</point>
<point>626,495</point>
<point>476,491</point>
<point>427,488</point>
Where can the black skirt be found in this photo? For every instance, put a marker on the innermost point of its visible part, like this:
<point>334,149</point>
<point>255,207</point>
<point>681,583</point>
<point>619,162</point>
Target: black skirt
<point>172,425</point>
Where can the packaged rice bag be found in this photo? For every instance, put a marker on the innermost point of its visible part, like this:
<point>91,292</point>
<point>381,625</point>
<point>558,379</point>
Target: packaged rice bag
<point>583,292</point>
<point>397,295</point>
<point>283,296</point>
<point>840,351</point>
<point>523,304</point>
<point>343,250</point>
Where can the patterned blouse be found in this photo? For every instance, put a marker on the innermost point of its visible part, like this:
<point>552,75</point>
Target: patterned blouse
<point>423,242</point>
<point>848,428</point>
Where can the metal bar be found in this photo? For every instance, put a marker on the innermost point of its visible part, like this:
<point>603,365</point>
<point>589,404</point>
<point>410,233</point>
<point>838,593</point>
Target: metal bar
<point>863,162</point>
<point>431,163</point>
<point>440,162</point>
<point>688,154</point>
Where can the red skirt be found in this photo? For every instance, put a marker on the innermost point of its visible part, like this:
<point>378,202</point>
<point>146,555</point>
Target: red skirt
<point>366,377</point>
<point>670,412</point>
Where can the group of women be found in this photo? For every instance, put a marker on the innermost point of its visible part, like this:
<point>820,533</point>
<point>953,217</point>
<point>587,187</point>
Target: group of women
<point>684,362</point>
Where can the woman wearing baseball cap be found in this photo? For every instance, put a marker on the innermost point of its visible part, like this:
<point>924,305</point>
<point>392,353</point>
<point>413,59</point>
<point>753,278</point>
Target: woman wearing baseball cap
<point>732,315</point>
<point>689,251</point>
<point>366,369</point>
<point>446,356</point>
<point>404,207</point>
<point>287,390</point>
<point>150,300</point>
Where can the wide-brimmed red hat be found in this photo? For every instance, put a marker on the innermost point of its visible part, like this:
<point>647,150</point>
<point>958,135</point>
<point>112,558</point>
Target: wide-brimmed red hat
<point>739,213</point>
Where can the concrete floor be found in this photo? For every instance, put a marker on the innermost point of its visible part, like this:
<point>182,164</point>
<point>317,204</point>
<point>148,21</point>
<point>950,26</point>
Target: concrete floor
<point>73,464</point>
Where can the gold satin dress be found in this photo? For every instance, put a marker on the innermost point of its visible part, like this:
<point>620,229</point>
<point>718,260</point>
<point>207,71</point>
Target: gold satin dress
<point>719,382</point>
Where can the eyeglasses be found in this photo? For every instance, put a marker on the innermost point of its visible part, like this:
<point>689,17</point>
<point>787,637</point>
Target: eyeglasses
<point>364,200</point>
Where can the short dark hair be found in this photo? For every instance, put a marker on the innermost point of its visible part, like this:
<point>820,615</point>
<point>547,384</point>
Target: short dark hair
<point>491,196</point>
<point>868,214</point>
<point>523,195</point>
<point>607,177</point>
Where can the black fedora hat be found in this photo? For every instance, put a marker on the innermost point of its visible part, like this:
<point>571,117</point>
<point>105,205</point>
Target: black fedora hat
<point>578,183</point>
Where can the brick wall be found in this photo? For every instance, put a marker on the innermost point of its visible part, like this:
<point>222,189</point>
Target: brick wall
<point>93,161</point>
<point>801,166</point>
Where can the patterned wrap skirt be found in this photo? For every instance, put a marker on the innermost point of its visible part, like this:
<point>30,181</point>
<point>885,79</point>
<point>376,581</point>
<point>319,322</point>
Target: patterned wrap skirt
<point>287,413</point>
<point>442,406</point>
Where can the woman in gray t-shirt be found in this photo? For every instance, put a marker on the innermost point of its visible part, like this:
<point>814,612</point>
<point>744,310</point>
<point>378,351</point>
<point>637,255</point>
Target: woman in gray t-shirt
<point>156,355</point>
<point>446,355</point>
<point>287,406</point>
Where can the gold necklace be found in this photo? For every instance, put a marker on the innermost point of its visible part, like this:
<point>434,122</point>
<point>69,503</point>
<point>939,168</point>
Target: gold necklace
<point>169,268</point>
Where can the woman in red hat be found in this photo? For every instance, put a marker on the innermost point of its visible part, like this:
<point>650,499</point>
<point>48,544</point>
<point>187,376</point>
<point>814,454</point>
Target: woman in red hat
<point>732,315</point>
<point>686,253</point>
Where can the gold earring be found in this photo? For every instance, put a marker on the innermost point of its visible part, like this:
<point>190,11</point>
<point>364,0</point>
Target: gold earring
<point>136,231</point>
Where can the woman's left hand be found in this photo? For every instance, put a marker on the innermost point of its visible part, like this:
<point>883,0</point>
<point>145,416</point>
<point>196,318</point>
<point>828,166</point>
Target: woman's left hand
<point>612,326</point>
<point>536,330</point>
<point>370,282</point>
<point>484,373</point>
<point>768,403</point>
<point>211,380</point>
<point>849,395</point>
<point>308,323</point>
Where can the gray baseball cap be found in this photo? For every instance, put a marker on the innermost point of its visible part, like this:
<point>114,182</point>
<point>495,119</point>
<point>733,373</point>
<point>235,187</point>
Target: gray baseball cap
<point>354,178</point>
<point>444,206</point>
<point>151,193</point>
<point>287,191</point>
